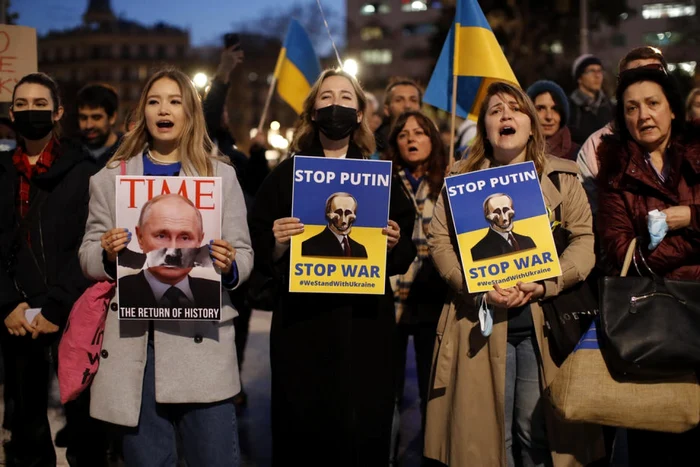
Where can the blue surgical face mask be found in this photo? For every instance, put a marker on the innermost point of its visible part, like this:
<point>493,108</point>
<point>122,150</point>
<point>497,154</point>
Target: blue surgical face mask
<point>8,145</point>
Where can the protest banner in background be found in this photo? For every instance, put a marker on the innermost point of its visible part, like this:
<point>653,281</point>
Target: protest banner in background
<point>166,273</point>
<point>502,227</point>
<point>18,57</point>
<point>344,205</point>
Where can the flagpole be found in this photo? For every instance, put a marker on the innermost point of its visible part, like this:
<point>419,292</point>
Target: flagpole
<point>453,122</point>
<point>267,104</point>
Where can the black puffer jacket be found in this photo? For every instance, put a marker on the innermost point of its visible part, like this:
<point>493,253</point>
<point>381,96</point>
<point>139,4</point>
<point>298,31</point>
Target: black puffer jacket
<point>46,275</point>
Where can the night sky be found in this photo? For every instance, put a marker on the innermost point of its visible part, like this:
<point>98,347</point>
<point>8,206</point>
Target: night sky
<point>207,20</point>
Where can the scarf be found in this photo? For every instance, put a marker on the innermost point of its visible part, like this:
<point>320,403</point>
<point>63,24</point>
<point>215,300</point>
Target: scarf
<point>559,144</point>
<point>587,102</point>
<point>424,205</point>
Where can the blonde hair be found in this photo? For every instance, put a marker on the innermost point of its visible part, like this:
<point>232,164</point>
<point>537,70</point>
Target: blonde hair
<point>481,148</point>
<point>195,145</point>
<point>305,130</point>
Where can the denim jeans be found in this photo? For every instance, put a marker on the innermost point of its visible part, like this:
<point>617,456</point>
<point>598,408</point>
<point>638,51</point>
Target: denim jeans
<point>208,431</point>
<point>526,436</point>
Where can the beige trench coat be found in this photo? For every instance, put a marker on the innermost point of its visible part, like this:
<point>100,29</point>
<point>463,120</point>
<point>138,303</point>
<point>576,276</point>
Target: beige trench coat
<point>465,420</point>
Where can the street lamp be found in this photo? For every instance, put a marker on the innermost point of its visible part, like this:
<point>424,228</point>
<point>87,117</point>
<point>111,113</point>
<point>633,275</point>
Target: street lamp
<point>200,80</point>
<point>351,67</point>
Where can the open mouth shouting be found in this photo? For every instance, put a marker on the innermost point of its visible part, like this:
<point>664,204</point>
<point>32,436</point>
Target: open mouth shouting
<point>507,131</point>
<point>164,126</point>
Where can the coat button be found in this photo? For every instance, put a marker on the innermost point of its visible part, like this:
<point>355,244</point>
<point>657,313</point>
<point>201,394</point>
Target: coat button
<point>114,306</point>
<point>198,339</point>
<point>470,354</point>
<point>104,353</point>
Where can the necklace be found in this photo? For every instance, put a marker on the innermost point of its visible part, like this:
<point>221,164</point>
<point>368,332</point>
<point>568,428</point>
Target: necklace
<point>158,161</point>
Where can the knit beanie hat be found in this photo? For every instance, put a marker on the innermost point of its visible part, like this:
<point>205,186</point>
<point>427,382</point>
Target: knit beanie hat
<point>557,93</point>
<point>582,62</point>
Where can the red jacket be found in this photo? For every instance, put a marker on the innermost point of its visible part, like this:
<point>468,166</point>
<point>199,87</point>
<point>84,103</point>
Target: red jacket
<point>629,189</point>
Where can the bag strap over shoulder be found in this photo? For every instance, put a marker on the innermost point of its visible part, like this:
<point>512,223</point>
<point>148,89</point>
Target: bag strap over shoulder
<point>628,258</point>
<point>554,177</point>
<point>122,167</point>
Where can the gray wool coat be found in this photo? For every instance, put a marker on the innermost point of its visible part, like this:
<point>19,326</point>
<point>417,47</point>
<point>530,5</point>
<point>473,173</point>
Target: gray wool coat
<point>195,362</point>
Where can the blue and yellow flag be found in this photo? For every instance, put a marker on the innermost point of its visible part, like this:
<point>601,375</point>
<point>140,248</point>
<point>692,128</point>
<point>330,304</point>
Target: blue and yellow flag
<point>297,67</point>
<point>471,54</point>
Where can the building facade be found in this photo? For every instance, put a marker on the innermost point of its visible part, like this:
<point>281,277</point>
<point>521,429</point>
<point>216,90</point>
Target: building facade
<point>672,26</point>
<point>392,38</point>
<point>111,50</point>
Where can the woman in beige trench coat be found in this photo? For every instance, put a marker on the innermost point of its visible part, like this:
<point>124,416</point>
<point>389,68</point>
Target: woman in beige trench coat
<point>466,416</point>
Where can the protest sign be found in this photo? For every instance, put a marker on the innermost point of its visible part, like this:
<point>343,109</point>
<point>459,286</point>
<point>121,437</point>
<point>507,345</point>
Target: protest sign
<point>18,57</point>
<point>344,205</point>
<point>166,273</point>
<point>502,227</point>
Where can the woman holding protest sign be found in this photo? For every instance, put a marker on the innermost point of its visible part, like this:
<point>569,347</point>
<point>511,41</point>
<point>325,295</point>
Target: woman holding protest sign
<point>419,162</point>
<point>331,354</point>
<point>159,377</point>
<point>478,414</point>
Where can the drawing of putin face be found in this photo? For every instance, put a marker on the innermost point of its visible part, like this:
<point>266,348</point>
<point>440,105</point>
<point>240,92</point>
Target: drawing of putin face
<point>499,212</point>
<point>341,212</point>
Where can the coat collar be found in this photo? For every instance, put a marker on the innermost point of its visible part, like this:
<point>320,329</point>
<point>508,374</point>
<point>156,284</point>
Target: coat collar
<point>623,163</point>
<point>69,154</point>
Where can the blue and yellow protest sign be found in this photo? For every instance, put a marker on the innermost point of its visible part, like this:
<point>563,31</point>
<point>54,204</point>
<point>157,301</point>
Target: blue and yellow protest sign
<point>344,205</point>
<point>502,227</point>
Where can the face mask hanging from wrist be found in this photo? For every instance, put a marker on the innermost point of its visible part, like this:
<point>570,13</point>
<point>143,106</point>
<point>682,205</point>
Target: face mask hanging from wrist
<point>33,124</point>
<point>336,122</point>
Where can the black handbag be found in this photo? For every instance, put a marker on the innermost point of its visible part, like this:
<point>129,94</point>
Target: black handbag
<point>650,325</point>
<point>569,314</point>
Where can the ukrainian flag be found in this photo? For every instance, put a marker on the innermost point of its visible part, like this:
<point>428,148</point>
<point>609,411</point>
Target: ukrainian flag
<point>297,67</point>
<point>471,55</point>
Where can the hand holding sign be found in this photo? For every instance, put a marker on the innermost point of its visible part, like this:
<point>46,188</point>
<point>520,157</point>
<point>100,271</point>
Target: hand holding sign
<point>393,233</point>
<point>223,254</point>
<point>535,288</point>
<point>285,228</point>
<point>115,240</point>
<point>511,297</point>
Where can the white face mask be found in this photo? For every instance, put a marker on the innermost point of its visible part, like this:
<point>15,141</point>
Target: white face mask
<point>8,144</point>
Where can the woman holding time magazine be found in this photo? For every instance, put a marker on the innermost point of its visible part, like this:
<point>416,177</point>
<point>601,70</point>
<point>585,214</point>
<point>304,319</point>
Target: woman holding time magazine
<point>331,354</point>
<point>160,377</point>
<point>477,414</point>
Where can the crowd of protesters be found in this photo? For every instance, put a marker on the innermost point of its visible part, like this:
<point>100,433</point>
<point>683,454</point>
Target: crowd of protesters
<point>338,361</point>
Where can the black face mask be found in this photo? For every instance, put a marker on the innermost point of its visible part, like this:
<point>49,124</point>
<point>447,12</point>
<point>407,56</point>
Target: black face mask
<point>336,122</point>
<point>33,124</point>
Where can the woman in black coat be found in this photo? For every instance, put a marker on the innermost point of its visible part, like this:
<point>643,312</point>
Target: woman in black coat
<point>332,355</point>
<point>43,209</point>
<point>419,163</point>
